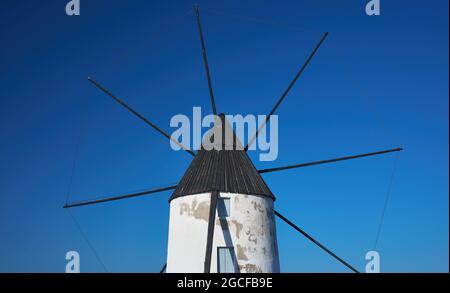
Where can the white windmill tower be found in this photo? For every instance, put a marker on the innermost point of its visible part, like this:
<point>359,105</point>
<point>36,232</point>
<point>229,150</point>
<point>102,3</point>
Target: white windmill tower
<point>222,212</point>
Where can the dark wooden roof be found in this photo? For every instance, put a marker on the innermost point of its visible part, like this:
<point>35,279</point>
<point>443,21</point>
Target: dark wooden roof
<point>222,170</point>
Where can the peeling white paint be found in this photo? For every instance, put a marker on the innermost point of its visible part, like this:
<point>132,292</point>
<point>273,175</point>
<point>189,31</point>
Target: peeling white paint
<point>250,230</point>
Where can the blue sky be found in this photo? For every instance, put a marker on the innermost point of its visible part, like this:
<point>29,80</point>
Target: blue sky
<point>376,83</point>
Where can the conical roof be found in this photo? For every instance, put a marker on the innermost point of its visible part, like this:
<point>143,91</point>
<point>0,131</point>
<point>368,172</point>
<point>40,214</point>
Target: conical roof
<point>222,165</point>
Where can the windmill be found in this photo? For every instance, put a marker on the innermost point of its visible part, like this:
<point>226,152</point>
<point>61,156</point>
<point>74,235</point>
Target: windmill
<point>222,216</point>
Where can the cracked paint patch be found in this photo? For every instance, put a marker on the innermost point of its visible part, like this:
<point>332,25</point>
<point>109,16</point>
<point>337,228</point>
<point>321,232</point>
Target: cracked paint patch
<point>257,206</point>
<point>251,236</point>
<point>250,268</point>
<point>198,211</point>
<point>241,253</point>
<point>238,228</point>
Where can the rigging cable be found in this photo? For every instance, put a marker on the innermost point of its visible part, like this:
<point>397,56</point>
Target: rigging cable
<point>371,107</point>
<point>77,224</point>
<point>69,189</point>
<point>72,171</point>
<point>274,24</point>
<point>386,201</point>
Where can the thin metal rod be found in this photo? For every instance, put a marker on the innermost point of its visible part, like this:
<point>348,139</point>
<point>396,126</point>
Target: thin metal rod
<point>211,224</point>
<point>329,161</point>
<point>315,242</point>
<point>288,89</point>
<point>89,243</point>
<point>163,269</point>
<point>205,59</point>
<point>112,198</point>
<point>139,115</point>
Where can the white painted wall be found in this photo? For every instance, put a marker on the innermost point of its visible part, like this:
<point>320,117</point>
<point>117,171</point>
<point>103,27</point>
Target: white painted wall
<point>251,231</point>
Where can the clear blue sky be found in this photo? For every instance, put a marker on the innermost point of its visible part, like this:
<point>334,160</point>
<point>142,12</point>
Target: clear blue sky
<point>376,83</point>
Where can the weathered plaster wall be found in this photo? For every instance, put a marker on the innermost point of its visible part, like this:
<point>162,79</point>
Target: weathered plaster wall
<point>250,229</point>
